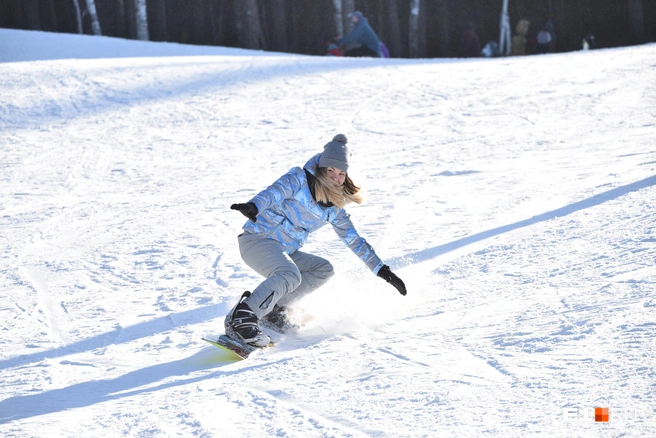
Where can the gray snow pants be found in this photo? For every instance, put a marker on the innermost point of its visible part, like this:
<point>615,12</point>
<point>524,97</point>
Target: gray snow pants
<point>289,277</point>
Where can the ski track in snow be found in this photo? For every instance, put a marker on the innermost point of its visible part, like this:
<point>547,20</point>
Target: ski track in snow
<point>514,196</point>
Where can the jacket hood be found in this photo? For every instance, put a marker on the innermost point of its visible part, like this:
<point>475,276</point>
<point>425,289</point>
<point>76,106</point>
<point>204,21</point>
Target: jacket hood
<point>356,14</point>
<point>312,164</point>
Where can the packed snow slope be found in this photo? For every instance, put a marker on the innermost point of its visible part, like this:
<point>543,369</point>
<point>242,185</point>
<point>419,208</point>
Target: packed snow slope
<point>514,196</point>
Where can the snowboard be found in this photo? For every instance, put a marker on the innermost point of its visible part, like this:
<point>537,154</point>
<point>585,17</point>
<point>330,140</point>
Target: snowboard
<point>277,330</point>
<point>237,350</point>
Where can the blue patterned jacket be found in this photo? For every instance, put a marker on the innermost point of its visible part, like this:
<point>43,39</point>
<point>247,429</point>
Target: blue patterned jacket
<point>288,214</point>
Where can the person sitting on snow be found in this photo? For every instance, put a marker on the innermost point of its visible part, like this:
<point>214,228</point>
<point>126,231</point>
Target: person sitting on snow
<point>364,36</point>
<point>332,48</point>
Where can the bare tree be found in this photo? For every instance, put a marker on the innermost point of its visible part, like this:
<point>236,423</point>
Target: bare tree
<point>29,14</point>
<point>78,15</point>
<point>412,28</point>
<point>444,29</point>
<point>339,18</point>
<point>348,6</point>
<point>95,24</point>
<point>415,6</point>
<point>636,20</point>
<point>251,34</point>
<point>504,30</point>
<point>51,19</point>
<point>122,20</point>
<point>278,34</point>
<point>141,19</point>
<point>158,20</point>
<point>395,44</point>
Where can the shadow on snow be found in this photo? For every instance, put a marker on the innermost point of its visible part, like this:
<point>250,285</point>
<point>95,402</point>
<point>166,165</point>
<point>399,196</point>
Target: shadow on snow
<point>217,74</point>
<point>430,253</point>
<point>123,334</point>
<point>130,384</point>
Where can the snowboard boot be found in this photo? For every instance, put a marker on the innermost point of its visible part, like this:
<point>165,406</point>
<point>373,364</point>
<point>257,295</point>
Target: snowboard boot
<point>242,324</point>
<point>279,320</point>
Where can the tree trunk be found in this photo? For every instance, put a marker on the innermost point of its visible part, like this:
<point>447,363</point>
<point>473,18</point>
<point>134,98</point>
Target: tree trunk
<point>78,15</point>
<point>123,26</point>
<point>197,13</point>
<point>444,29</point>
<point>504,30</point>
<point>95,24</point>
<point>52,25</point>
<point>394,41</point>
<point>637,21</point>
<point>251,33</point>
<point>141,19</point>
<point>30,13</point>
<point>128,10</point>
<point>159,21</point>
<point>339,20</point>
<point>348,6</point>
<point>225,23</point>
<point>413,32</point>
<point>277,36</point>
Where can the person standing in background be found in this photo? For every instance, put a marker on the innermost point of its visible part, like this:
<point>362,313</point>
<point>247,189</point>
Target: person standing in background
<point>518,46</point>
<point>468,46</point>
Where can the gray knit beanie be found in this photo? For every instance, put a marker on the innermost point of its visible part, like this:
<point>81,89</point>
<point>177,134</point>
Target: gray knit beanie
<point>336,154</point>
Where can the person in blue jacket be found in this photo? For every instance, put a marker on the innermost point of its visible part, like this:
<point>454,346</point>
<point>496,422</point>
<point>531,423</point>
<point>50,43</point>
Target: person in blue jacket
<point>280,219</point>
<point>364,35</point>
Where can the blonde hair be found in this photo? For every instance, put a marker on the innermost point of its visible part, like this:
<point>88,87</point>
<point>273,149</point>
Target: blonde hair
<point>326,191</point>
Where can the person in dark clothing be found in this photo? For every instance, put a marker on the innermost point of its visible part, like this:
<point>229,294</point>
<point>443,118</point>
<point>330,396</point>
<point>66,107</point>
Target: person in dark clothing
<point>545,40</point>
<point>364,36</point>
<point>468,46</point>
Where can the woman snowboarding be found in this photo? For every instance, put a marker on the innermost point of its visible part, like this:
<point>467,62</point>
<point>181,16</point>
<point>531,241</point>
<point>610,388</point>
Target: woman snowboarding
<point>280,218</point>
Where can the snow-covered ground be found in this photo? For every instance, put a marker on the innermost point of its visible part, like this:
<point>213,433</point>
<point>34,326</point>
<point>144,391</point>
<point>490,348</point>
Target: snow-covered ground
<point>515,197</point>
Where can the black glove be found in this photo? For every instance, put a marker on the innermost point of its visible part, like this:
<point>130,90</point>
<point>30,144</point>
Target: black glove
<point>249,210</point>
<point>386,274</point>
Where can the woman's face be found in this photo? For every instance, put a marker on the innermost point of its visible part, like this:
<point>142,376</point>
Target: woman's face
<point>339,176</point>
